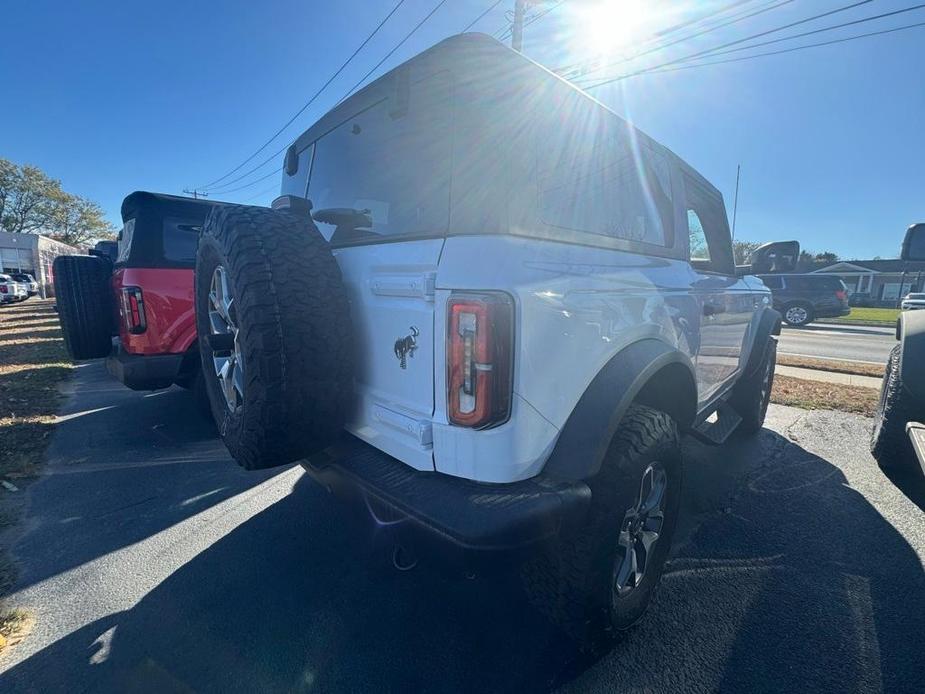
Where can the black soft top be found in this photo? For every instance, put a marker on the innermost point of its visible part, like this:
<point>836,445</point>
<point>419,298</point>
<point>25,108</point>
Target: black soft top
<point>145,247</point>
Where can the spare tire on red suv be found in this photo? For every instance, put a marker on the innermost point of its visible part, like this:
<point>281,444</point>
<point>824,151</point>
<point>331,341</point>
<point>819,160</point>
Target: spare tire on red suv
<point>84,302</point>
<point>273,323</point>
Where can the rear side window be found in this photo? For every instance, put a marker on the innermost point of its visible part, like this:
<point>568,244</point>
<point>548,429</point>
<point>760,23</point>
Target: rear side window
<point>772,282</point>
<point>125,240</point>
<point>180,240</point>
<point>391,163</point>
<point>594,177</point>
<point>810,283</point>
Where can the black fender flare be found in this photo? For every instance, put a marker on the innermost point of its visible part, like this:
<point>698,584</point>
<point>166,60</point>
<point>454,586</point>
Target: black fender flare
<point>911,334</point>
<point>583,441</point>
<point>768,324</point>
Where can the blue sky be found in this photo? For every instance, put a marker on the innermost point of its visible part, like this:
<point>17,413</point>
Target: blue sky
<point>112,97</point>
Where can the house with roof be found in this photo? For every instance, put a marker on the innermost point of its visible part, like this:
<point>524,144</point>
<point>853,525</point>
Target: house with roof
<point>885,281</point>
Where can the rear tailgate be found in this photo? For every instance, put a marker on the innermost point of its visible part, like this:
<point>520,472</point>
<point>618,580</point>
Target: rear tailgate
<point>391,289</point>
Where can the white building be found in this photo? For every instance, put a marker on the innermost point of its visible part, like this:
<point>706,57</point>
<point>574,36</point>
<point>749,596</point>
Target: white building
<point>885,281</point>
<point>33,254</point>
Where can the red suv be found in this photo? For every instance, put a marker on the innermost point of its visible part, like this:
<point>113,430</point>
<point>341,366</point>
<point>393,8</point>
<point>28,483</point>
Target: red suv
<point>143,296</point>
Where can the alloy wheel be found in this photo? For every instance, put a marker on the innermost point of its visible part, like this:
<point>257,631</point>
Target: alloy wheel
<point>226,356</point>
<point>797,315</point>
<point>640,531</point>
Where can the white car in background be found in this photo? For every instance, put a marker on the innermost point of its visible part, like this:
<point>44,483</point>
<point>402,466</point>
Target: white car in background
<point>12,291</point>
<point>913,301</point>
<point>28,281</point>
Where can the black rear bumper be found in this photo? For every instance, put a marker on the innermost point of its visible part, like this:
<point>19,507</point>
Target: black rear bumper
<point>144,371</point>
<point>471,516</point>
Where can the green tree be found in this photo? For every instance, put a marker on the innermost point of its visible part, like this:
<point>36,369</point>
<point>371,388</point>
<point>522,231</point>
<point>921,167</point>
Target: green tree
<point>30,200</point>
<point>76,221</point>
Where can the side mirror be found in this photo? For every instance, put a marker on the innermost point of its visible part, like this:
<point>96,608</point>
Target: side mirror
<point>914,243</point>
<point>775,257</point>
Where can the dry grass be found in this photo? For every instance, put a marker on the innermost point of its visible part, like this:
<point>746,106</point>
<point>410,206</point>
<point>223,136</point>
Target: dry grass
<point>33,363</point>
<point>842,367</point>
<point>15,625</point>
<point>816,395</point>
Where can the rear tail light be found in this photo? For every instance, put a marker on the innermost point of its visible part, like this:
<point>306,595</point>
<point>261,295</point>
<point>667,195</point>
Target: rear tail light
<point>480,348</point>
<point>841,294</point>
<point>4,289</point>
<point>133,310</point>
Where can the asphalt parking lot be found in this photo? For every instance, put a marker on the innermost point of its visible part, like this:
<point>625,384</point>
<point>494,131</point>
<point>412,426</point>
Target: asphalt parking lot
<point>153,563</point>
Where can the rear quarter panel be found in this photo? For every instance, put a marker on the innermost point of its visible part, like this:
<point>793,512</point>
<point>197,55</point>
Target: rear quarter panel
<point>169,309</point>
<point>576,307</point>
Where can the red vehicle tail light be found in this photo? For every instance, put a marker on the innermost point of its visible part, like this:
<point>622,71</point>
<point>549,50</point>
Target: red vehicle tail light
<point>841,294</point>
<point>133,310</point>
<point>480,348</point>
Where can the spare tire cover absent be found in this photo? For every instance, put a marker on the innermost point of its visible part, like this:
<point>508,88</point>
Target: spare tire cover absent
<point>84,299</point>
<point>275,336</point>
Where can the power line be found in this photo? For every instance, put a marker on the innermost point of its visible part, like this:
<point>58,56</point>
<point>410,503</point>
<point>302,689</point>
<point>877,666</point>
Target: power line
<point>481,16</point>
<point>819,31</point>
<point>703,32</point>
<point>311,100</point>
<point>275,186</point>
<point>843,8</point>
<point>787,50</point>
<point>273,172</point>
<point>397,46</point>
<point>347,94</point>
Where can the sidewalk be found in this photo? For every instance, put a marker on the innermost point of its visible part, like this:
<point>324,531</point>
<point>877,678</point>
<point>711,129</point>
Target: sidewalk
<point>828,376</point>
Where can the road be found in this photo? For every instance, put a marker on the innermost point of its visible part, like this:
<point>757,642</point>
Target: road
<point>838,342</point>
<point>153,563</point>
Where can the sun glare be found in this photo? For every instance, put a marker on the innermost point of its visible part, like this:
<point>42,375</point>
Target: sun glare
<point>611,25</point>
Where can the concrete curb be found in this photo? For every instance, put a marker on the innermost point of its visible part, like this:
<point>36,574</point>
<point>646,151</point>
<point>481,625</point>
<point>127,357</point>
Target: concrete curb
<point>828,376</point>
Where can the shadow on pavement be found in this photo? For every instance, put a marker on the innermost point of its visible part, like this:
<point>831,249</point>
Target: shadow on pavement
<point>799,585</point>
<point>122,466</point>
<point>911,483</point>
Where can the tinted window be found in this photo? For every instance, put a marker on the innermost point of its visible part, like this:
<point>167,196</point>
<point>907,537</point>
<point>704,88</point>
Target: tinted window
<point>772,282</point>
<point>180,240</point>
<point>593,177</point>
<point>392,160</point>
<point>809,283</point>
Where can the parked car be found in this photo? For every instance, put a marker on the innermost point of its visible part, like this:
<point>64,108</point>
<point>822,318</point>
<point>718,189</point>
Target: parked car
<point>142,297</point>
<point>485,308</point>
<point>12,291</point>
<point>32,287</point>
<point>801,299</point>
<point>913,301</point>
<point>898,437</point>
<point>862,300</point>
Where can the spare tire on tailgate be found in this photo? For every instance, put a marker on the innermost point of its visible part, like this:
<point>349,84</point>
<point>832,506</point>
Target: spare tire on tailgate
<point>84,300</point>
<point>275,336</point>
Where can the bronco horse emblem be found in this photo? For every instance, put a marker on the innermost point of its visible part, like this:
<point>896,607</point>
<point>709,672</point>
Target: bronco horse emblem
<point>405,346</point>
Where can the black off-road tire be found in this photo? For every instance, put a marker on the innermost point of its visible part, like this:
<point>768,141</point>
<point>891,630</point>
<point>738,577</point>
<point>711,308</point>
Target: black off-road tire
<point>889,443</point>
<point>84,299</point>
<point>294,331</point>
<point>751,395</point>
<point>789,319</point>
<point>571,582</point>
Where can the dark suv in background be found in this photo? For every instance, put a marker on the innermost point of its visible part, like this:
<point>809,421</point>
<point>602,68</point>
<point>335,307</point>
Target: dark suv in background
<point>802,299</point>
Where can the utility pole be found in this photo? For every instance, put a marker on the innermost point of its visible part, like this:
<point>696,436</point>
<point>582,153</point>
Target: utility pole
<point>735,204</point>
<point>517,30</point>
<point>196,193</point>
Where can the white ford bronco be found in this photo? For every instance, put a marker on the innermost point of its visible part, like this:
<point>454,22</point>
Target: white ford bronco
<point>486,307</point>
